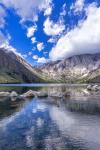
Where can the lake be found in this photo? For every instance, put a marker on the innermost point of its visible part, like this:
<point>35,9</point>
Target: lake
<point>51,123</point>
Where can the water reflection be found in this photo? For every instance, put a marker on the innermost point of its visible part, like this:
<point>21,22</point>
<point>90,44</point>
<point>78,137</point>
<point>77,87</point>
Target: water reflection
<point>52,123</point>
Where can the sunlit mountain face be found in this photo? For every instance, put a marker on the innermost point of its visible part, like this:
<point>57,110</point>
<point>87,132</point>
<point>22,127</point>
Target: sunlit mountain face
<point>50,30</point>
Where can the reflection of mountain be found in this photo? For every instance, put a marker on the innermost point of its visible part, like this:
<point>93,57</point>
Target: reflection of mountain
<point>8,107</point>
<point>84,128</point>
<point>52,123</point>
<point>73,91</point>
<point>78,99</point>
<point>86,107</point>
<point>14,69</point>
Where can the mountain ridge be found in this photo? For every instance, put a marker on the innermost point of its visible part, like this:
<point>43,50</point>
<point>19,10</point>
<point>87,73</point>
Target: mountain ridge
<point>76,69</point>
<point>14,69</point>
<point>79,68</point>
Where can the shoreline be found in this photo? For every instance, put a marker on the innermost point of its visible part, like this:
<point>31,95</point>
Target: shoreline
<point>45,84</point>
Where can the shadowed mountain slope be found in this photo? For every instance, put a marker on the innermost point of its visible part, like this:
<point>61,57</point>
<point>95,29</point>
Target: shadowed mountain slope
<point>14,69</point>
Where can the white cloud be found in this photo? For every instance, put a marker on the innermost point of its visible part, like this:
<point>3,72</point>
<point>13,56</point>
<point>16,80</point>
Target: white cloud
<point>5,39</point>
<point>40,46</point>
<point>85,38</point>
<point>7,47</point>
<point>30,53</point>
<point>45,53</point>
<point>42,60</point>
<point>2,38</point>
<point>31,31</point>
<point>4,44</point>
<point>27,9</point>
<point>49,8</point>
<point>35,57</point>
<point>48,11</point>
<point>33,49</point>
<point>52,40</point>
<point>9,37</point>
<point>78,6</point>
<point>64,10</point>
<point>51,28</point>
<point>2,17</point>
<point>33,39</point>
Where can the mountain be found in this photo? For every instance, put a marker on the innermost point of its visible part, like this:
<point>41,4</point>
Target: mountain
<point>76,69</point>
<point>14,69</point>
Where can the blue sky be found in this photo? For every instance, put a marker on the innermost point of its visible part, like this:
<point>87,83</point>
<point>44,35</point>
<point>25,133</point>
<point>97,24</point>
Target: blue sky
<point>43,30</point>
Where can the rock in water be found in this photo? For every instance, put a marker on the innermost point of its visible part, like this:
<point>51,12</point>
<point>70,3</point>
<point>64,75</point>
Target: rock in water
<point>93,87</point>
<point>42,94</point>
<point>29,94</point>
<point>13,94</point>
<point>89,87</point>
<point>4,94</point>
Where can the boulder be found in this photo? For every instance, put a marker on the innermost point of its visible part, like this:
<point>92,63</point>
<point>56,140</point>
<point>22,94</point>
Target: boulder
<point>55,95</point>
<point>89,87</point>
<point>13,94</point>
<point>95,88</point>
<point>98,88</point>
<point>85,92</point>
<point>29,94</point>
<point>4,94</point>
<point>42,94</point>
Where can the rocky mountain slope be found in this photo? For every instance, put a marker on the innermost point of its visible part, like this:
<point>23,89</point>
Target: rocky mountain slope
<point>76,69</point>
<point>14,69</point>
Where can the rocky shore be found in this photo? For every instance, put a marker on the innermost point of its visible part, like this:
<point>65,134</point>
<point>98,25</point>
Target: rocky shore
<point>93,87</point>
<point>31,94</point>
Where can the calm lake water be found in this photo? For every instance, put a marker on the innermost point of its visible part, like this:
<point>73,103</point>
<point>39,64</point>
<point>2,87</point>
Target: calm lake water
<point>52,123</point>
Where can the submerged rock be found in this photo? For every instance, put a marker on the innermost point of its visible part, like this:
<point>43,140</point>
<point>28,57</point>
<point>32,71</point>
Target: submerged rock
<point>4,94</point>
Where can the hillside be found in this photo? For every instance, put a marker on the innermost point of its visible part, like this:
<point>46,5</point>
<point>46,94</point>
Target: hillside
<point>76,69</point>
<point>14,69</point>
